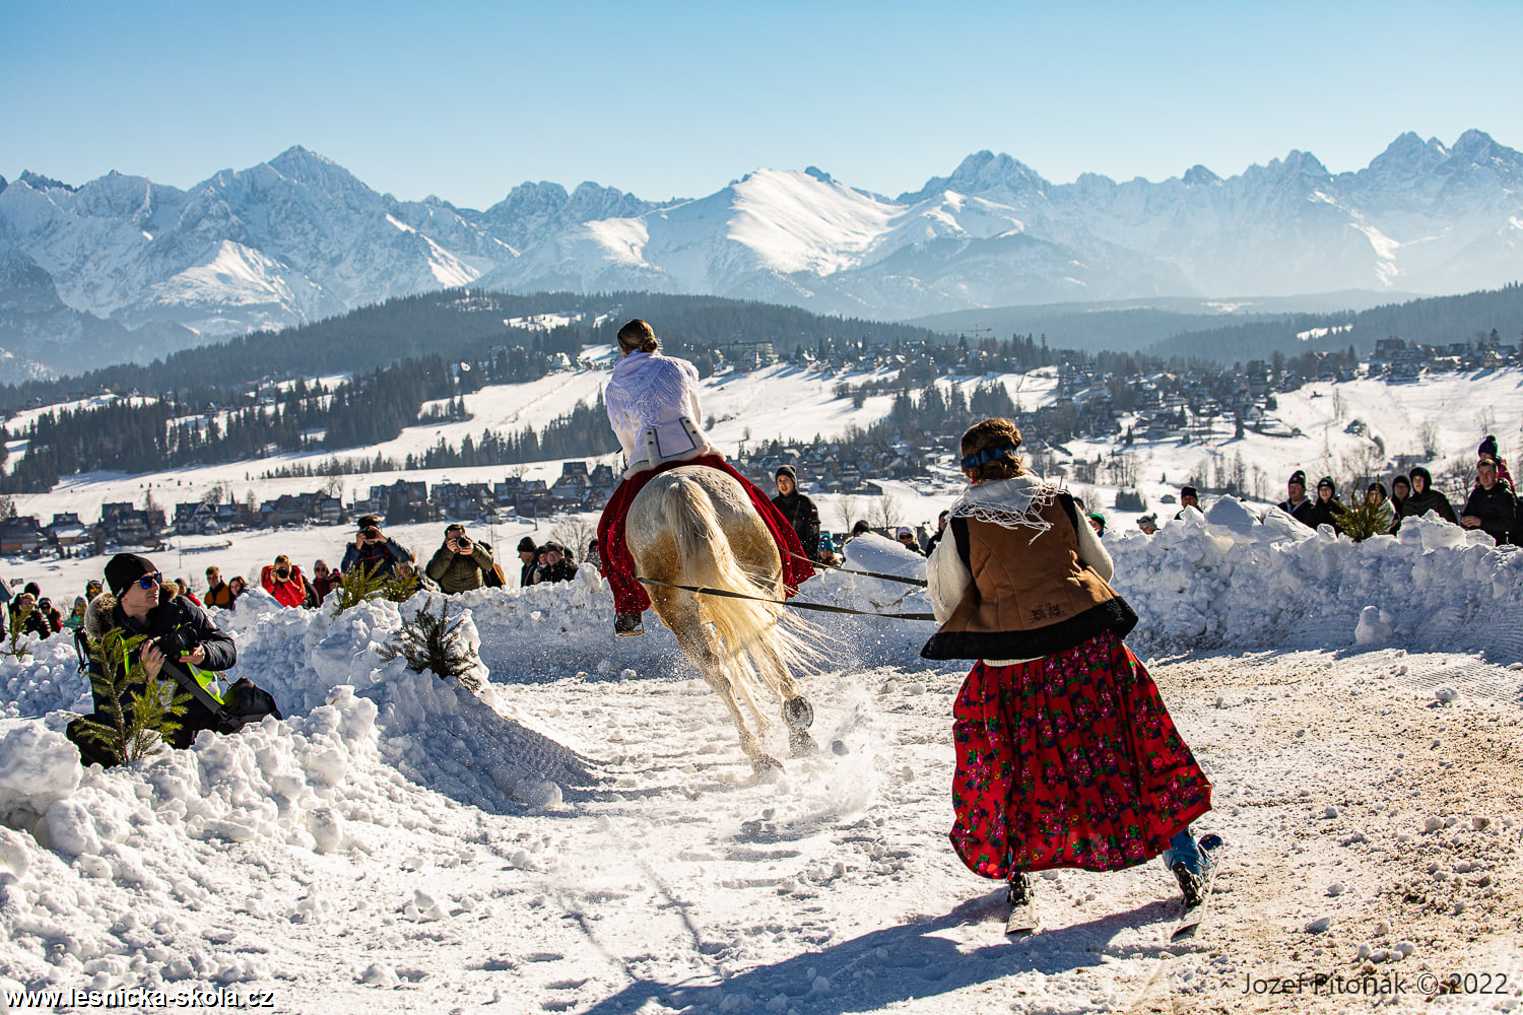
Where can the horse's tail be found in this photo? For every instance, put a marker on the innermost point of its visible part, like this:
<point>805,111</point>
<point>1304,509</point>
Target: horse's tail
<point>761,639</point>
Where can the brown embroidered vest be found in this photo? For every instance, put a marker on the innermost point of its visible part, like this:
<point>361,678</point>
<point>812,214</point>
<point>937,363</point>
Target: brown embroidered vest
<point>1029,597</point>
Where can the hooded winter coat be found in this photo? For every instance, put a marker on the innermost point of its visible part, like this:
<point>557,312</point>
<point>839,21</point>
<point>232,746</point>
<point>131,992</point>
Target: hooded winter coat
<point>1497,509</point>
<point>804,517</point>
<point>1430,499</point>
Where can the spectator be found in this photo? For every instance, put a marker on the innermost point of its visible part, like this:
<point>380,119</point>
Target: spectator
<point>907,540</point>
<point>1148,524</point>
<point>50,616</point>
<point>528,553</point>
<point>324,580</point>
<point>237,585</point>
<point>1328,510</point>
<point>593,557</point>
<point>799,510</point>
<point>1491,507</point>
<point>1424,498</point>
<point>460,564</point>
<point>407,569</point>
<point>185,591</point>
<point>1401,489</point>
<point>1296,503</point>
<point>284,581</point>
<point>374,551</point>
<point>941,528</point>
<point>27,619</point>
<point>1189,497</point>
<point>75,624</point>
<point>217,592</point>
<point>1097,522</point>
<point>34,590</point>
<point>557,566</point>
<point>76,617</point>
<point>1376,495</point>
<point>93,588</point>
<point>1488,449</point>
<point>859,529</point>
<point>196,648</point>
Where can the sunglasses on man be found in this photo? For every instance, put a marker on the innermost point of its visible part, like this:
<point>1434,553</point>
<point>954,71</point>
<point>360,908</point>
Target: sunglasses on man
<point>151,581</point>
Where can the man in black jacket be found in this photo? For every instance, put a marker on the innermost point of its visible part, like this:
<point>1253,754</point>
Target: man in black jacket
<point>798,509</point>
<point>1491,507</point>
<point>182,647</point>
<point>1297,504</point>
<point>528,555</point>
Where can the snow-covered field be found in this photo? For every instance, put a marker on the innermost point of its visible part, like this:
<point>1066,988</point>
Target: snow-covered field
<point>586,836</point>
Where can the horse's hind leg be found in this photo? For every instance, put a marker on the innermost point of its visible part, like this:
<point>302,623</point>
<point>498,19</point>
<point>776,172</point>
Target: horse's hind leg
<point>680,612</point>
<point>798,714</point>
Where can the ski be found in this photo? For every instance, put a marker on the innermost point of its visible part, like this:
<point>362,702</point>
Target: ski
<point>1190,921</point>
<point>1022,921</point>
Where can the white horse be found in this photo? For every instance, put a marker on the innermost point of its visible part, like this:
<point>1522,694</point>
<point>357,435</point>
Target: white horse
<point>697,526</point>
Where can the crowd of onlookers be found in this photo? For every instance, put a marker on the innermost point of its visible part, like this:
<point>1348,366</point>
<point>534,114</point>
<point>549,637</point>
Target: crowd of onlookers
<point>463,563</point>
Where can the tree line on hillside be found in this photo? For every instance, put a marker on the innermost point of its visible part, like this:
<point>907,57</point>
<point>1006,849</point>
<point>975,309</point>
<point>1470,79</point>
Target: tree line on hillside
<point>456,325</point>
<point>1438,320</point>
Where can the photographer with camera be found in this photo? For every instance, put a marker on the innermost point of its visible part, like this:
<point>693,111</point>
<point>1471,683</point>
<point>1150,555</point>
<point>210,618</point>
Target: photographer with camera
<point>284,581</point>
<point>182,646</point>
<point>461,564</point>
<point>373,550</point>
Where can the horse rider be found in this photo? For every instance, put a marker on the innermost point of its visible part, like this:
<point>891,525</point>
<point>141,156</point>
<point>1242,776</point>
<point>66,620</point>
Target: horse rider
<point>652,403</point>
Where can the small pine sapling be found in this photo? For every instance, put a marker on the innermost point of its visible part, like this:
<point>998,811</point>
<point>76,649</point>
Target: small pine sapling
<point>153,711</point>
<point>435,643</point>
<point>1361,518</point>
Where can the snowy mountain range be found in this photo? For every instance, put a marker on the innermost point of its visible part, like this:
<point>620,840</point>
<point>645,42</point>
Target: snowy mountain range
<point>300,237</point>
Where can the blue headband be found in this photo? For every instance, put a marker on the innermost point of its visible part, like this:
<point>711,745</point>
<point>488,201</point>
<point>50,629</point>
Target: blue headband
<point>987,455</point>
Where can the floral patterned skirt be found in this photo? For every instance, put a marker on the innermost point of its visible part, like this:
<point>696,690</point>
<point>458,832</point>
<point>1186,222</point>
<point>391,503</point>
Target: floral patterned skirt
<point>1069,761</point>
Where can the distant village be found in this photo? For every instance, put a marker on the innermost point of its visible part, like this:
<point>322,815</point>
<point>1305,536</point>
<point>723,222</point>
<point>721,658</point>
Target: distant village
<point>1174,405</point>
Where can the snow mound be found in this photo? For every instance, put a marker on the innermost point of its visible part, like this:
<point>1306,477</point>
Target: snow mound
<point>1220,582</point>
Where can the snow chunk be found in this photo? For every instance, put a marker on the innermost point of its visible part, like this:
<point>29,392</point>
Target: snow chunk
<point>37,767</point>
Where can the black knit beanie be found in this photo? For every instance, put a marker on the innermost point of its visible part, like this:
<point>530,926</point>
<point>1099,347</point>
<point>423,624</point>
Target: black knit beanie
<point>124,569</point>
<point>526,545</point>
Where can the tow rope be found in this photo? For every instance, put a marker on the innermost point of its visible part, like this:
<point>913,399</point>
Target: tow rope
<point>699,590</point>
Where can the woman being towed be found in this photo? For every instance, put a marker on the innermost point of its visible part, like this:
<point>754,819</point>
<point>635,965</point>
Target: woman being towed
<point>1066,756</point>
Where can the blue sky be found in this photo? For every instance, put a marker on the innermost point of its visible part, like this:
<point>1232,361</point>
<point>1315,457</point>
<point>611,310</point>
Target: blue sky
<point>465,100</point>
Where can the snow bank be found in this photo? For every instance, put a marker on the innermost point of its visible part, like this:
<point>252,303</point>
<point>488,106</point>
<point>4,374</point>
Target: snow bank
<point>1229,581</point>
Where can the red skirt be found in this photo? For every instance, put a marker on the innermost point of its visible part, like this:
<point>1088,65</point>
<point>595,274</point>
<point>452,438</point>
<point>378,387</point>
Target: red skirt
<point>1069,761</point>
<point>629,595</point>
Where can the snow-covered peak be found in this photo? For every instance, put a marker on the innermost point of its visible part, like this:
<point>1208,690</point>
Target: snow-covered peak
<point>1199,176</point>
<point>984,173</point>
<point>1409,155</point>
<point>40,182</point>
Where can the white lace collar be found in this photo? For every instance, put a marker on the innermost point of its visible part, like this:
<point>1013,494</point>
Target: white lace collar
<point>1009,503</point>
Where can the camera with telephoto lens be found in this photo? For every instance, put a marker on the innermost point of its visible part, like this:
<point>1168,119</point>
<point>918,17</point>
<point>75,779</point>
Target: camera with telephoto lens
<point>176,643</point>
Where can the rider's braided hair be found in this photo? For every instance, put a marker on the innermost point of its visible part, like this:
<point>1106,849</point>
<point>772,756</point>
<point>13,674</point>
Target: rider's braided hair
<point>638,336</point>
<point>1000,437</point>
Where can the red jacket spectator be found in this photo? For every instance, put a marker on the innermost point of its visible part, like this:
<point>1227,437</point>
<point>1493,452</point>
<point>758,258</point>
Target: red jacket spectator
<point>283,580</point>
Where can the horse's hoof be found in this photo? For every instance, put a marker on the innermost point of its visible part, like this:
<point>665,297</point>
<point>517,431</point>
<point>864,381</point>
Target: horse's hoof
<point>766,763</point>
<point>801,744</point>
<point>798,713</point>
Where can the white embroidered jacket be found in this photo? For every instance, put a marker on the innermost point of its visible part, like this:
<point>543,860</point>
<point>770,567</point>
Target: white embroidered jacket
<point>653,407</point>
<point>1008,503</point>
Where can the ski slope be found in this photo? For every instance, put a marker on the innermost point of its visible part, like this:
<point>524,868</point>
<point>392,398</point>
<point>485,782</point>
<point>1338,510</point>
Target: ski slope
<point>586,836</point>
